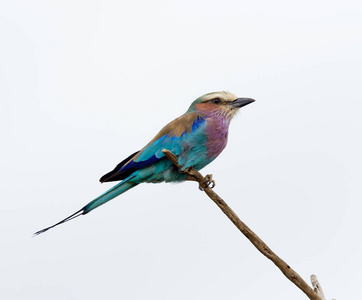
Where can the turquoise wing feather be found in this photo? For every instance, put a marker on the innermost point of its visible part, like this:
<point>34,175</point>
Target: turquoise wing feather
<point>177,137</point>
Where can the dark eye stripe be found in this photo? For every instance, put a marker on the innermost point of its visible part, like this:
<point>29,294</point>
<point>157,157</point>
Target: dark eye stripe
<point>216,101</point>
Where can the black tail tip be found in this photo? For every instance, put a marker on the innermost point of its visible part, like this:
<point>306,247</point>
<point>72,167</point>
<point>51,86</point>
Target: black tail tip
<point>71,217</point>
<point>40,231</point>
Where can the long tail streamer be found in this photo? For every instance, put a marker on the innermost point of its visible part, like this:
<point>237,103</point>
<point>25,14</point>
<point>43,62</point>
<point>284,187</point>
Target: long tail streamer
<point>108,195</point>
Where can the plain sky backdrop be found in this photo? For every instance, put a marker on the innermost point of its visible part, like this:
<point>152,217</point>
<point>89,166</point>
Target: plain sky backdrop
<point>83,84</point>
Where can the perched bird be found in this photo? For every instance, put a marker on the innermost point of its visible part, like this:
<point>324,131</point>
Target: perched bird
<point>196,138</point>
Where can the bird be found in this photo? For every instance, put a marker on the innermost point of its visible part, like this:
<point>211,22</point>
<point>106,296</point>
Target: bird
<point>196,138</point>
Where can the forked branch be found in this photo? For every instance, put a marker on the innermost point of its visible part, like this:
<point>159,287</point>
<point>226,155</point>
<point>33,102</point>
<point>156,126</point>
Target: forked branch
<point>313,294</point>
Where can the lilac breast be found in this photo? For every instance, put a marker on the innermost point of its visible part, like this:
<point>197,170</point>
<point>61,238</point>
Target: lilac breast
<point>217,136</point>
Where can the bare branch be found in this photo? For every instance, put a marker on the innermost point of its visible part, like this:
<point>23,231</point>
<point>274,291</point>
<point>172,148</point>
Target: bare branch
<point>313,294</point>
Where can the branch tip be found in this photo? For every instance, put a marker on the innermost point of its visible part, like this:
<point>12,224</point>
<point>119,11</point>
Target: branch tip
<point>317,287</point>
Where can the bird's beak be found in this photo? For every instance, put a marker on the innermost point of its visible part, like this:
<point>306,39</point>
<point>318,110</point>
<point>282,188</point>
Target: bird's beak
<point>240,102</point>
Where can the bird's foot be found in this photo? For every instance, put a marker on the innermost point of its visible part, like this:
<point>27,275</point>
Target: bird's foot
<point>209,182</point>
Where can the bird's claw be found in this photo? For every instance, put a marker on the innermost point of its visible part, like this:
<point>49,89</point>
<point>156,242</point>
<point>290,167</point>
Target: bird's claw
<point>209,182</point>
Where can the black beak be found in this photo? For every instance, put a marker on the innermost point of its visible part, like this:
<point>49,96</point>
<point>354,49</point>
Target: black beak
<point>240,102</point>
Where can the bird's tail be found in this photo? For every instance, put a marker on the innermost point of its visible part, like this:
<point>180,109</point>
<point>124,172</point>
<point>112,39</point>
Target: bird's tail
<point>105,197</point>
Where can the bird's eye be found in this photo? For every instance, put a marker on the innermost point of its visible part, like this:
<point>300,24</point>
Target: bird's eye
<point>216,101</point>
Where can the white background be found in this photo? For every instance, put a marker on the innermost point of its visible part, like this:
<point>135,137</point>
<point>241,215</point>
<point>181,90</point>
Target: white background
<point>83,84</point>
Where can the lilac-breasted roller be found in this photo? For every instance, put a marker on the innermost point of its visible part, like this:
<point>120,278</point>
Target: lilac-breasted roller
<point>196,138</point>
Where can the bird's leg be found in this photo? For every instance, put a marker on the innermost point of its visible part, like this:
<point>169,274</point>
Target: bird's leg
<point>209,182</point>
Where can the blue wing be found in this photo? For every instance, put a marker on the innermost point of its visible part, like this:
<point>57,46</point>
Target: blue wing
<point>170,138</point>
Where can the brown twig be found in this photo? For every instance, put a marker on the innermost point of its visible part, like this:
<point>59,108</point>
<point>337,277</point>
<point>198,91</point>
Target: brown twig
<point>313,294</point>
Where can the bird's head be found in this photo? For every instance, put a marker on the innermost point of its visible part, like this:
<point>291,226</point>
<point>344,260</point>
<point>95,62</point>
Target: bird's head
<point>222,104</point>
